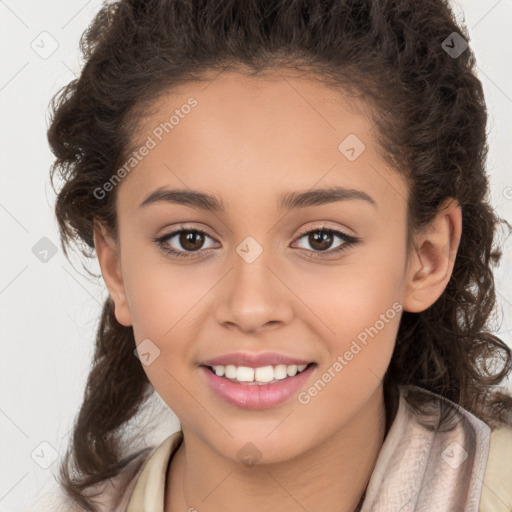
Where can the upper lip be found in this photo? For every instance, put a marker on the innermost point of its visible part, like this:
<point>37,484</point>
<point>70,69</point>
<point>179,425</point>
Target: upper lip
<point>253,360</point>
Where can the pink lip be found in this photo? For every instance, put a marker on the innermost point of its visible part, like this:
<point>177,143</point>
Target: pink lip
<point>256,396</point>
<point>254,360</point>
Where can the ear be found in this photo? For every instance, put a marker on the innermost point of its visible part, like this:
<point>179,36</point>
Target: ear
<point>110,264</point>
<point>430,264</point>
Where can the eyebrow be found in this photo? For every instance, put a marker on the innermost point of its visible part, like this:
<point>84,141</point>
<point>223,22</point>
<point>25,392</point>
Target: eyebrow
<point>288,201</point>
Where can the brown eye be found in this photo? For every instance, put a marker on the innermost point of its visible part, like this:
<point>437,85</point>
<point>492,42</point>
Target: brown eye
<point>320,240</point>
<point>191,240</point>
<point>183,242</point>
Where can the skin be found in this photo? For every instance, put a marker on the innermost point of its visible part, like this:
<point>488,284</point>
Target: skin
<point>249,140</point>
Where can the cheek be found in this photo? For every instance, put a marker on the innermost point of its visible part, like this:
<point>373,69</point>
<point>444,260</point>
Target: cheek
<point>165,301</point>
<point>357,313</point>
<point>365,322</point>
<point>351,297</point>
<point>162,296</point>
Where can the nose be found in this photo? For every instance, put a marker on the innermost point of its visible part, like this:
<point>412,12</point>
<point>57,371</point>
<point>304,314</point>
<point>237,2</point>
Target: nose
<point>253,296</point>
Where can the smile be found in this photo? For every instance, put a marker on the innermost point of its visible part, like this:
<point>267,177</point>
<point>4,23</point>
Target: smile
<point>256,388</point>
<point>257,376</point>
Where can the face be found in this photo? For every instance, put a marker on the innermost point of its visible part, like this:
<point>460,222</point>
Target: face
<point>320,282</point>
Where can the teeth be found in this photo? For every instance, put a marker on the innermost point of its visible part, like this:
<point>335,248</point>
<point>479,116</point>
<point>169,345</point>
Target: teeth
<point>230,371</point>
<point>260,375</point>
<point>244,374</point>
<point>264,374</point>
<point>280,372</point>
<point>291,370</point>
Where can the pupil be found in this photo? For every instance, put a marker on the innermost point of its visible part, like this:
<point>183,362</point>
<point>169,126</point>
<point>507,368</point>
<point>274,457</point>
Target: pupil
<point>323,237</point>
<point>187,240</point>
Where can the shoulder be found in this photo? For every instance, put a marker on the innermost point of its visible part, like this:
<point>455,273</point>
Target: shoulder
<point>486,453</point>
<point>497,488</point>
<point>110,495</point>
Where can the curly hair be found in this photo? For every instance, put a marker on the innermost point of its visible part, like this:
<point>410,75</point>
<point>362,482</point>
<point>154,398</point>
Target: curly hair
<point>431,117</point>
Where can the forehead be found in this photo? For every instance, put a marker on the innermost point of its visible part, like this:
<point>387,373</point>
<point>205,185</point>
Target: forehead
<point>260,135</point>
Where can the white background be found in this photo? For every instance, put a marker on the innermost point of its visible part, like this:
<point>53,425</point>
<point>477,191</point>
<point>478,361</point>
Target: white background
<point>49,310</point>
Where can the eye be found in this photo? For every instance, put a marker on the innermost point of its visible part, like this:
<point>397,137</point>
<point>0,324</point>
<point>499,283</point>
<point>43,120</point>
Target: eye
<point>321,239</point>
<point>191,240</point>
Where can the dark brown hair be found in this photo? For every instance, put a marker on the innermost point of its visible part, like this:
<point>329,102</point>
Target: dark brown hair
<point>431,117</point>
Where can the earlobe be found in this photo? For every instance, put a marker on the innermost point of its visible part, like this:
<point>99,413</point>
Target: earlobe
<point>431,262</point>
<point>109,260</point>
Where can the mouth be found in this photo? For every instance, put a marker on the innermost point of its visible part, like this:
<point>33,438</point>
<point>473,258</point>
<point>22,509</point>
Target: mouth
<point>259,376</point>
<point>260,387</point>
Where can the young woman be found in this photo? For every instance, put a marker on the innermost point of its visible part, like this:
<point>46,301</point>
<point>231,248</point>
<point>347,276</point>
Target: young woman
<point>289,205</point>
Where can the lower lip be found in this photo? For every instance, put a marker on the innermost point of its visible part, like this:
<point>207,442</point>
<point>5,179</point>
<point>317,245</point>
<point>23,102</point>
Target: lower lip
<point>256,396</point>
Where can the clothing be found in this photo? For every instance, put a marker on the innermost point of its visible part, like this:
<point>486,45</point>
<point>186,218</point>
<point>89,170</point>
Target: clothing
<point>462,466</point>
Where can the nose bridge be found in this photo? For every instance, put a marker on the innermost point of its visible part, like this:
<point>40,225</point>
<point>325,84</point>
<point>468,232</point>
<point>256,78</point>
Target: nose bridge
<point>252,285</point>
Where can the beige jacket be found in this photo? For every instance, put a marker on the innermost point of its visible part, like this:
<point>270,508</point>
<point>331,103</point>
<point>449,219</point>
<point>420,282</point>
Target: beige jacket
<point>461,467</point>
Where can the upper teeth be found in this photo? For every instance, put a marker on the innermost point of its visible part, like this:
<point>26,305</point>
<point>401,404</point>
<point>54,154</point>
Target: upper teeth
<point>263,374</point>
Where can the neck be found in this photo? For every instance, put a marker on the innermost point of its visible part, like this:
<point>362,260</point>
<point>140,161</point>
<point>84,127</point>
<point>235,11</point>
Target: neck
<point>331,477</point>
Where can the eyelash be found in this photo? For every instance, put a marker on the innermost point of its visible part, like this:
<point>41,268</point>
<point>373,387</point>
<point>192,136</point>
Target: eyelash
<point>348,239</point>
